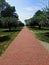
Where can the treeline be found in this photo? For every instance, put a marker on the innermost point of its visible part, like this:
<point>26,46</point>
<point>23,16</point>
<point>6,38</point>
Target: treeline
<point>40,19</point>
<point>8,16</point>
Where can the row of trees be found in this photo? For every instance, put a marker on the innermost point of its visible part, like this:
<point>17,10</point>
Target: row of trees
<point>8,17</point>
<point>40,19</point>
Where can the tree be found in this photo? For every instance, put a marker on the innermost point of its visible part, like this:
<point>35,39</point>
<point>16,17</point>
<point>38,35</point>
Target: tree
<point>8,11</point>
<point>0,23</point>
<point>11,22</point>
<point>20,23</point>
<point>27,21</point>
<point>38,19</point>
<point>9,18</point>
<point>47,15</point>
<point>3,5</point>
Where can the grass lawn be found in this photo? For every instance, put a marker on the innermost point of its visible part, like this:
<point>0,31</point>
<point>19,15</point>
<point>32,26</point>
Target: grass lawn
<point>42,35</point>
<point>6,38</point>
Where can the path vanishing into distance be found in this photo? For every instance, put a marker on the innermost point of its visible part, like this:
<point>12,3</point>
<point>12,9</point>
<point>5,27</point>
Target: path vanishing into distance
<point>25,50</point>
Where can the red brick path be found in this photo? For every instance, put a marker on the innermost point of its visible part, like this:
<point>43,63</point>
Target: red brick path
<point>25,50</point>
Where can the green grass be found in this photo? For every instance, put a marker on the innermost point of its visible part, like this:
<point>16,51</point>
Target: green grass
<point>6,38</point>
<point>42,34</point>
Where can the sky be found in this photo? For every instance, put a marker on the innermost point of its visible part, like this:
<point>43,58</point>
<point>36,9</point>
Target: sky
<point>27,8</point>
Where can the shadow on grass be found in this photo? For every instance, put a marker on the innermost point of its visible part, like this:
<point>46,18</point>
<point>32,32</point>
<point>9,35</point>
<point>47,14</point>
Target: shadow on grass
<point>46,34</point>
<point>4,38</point>
<point>43,36</point>
<point>37,28</point>
<point>11,30</point>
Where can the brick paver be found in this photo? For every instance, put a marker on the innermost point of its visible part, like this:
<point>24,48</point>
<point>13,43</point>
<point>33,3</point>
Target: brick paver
<point>25,50</point>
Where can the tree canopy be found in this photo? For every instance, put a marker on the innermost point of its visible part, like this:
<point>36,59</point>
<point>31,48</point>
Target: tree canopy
<point>41,18</point>
<point>8,18</point>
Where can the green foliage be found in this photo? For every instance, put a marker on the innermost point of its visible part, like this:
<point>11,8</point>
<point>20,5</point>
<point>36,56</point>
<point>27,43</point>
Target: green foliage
<point>9,19</point>
<point>39,19</point>
<point>3,4</point>
<point>8,11</point>
<point>10,22</point>
<point>20,23</point>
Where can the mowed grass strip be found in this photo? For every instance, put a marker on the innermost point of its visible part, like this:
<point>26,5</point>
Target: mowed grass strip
<point>6,38</point>
<point>42,34</point>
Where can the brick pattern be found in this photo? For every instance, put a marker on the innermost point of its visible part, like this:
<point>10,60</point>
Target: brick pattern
<point>25,49</point>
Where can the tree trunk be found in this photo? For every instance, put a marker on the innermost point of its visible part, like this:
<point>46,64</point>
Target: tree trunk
<point>39,26</point>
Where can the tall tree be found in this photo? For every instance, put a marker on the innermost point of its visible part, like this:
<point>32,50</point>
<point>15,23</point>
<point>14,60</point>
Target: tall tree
<point>3,5</point>
<point>38,19</point>
<point>46,12</point>
<point>8,11</point>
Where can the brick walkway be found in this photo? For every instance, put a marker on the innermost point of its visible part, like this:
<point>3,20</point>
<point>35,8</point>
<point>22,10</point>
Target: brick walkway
<point>25,50</point>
